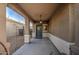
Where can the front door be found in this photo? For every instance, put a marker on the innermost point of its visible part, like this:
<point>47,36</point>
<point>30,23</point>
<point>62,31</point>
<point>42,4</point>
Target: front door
<point>39,31</point>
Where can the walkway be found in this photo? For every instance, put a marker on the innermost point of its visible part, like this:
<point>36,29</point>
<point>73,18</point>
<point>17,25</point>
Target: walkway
<point>37,47</point>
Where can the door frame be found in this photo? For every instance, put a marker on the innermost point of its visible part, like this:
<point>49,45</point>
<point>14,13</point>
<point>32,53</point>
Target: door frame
<point>39,24</point>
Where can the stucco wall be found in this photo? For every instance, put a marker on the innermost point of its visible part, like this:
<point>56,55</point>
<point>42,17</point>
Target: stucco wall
<point>62,28</point>
<point>59,24</point>
<point>76,18</point>
<point>2,22</point>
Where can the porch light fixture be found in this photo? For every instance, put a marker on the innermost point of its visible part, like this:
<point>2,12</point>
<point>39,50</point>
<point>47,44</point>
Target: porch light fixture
<point>40,18</point>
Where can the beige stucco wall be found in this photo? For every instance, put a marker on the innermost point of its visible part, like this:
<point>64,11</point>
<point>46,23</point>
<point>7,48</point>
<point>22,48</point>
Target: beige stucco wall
<point>60,24</point>
<point>76,18</point>
<point>2,22</point>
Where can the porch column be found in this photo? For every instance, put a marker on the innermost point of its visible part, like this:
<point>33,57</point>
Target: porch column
<point>3,36</point>
<point>27,31</point>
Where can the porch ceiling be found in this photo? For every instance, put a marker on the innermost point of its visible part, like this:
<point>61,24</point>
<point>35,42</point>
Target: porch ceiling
<point>37,9</point>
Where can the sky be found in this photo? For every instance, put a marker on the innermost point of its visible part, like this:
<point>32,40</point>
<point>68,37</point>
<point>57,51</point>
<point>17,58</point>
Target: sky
<point>10,13</point>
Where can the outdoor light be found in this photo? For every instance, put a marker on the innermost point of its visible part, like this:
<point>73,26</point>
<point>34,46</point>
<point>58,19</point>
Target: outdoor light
<point>40,21</point>
<point>40,18</point>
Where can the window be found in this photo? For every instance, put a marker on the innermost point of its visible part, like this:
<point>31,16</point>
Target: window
<point>13,15</point>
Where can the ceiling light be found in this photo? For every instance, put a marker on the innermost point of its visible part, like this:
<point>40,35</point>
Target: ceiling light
<point>40,18</point>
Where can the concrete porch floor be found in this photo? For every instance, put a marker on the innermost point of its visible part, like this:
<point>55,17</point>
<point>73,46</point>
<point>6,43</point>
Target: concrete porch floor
<point>37,47</point>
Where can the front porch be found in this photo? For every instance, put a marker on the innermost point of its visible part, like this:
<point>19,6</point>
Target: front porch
<point>38,47</point>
